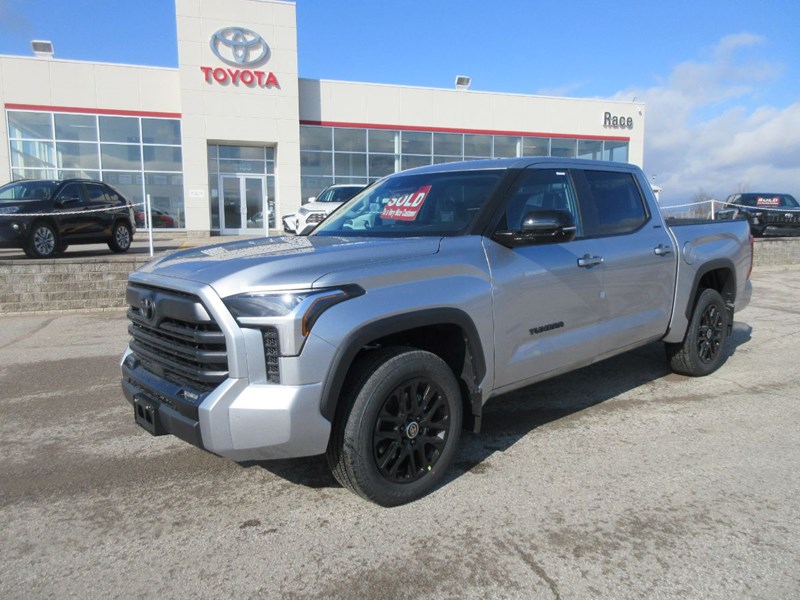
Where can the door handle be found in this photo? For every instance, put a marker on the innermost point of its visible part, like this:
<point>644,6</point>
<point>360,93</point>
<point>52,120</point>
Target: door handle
<point>590,261</point>
<point>662,250</point>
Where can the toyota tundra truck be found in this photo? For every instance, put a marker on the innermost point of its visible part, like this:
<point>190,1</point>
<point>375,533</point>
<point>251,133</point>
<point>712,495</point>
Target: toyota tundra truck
<point>380,335</point>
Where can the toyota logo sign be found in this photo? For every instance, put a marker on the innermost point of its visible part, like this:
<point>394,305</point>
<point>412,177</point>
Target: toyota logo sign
<point>239,46</point>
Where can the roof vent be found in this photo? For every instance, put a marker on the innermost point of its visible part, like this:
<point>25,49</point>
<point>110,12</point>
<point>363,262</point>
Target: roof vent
<point>42,48</point>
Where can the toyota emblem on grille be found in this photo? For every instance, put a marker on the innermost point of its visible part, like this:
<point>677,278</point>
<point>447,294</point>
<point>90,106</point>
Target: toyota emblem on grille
<point>148,308</point>
<point>239,46</point>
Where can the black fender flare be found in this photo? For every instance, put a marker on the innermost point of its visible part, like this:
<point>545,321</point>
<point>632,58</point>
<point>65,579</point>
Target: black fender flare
<point>712,265</point>
<point>474,367</point>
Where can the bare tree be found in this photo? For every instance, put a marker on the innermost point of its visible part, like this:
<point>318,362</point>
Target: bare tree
<point>702,206</point>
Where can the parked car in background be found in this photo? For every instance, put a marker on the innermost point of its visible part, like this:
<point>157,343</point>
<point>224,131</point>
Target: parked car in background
<point>43,217</point>
<point>768,214</point>
<point>317,209</point>
<point>161,218</point>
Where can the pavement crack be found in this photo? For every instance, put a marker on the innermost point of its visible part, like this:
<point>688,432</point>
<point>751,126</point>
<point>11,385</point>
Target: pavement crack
<point>529,560</point>
<point>28,334</point>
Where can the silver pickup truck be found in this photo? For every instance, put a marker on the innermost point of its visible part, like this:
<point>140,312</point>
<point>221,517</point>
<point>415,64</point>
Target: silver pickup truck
<point>379,336</point>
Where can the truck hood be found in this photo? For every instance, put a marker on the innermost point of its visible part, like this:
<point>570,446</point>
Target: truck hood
<point>286,262</point>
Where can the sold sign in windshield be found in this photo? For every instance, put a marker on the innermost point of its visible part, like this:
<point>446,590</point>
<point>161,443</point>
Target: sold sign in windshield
<point>405,207</point>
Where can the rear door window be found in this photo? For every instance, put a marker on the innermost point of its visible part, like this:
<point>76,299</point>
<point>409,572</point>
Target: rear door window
<point>96,193</point>
<point>611,203</point>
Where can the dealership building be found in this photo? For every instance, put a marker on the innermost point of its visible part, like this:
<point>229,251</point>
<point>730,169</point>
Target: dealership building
<point>232,139</point>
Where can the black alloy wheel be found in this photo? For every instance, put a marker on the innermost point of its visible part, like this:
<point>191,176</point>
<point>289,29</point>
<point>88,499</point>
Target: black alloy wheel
<point>703,349</point>
<point>711,335</point>
<point>397,425</point>
<point>411,431</point>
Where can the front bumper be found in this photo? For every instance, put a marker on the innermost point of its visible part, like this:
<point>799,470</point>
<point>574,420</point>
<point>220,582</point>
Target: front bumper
<point>12,233</point>
<point>237,420</point>
<point>242,414</point>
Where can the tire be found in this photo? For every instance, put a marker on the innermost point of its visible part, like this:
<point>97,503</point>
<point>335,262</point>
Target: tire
<point>704,348</point>
<point>43,242</point>
<point>121,237</point>
<point>757,231</point>
<point>62,247</point>
<point>384,448</point>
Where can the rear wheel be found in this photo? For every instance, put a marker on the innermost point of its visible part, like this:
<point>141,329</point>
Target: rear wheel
<point>121,237</point>
<point>398,428</point>
<point>703,350</point>
<point>43,242</point>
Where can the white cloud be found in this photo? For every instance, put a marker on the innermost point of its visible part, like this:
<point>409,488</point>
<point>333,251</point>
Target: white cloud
<point>703,134</point>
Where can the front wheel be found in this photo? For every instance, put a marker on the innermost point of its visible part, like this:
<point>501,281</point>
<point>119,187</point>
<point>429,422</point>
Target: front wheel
<point>120,237</point>
<point>703,350</point>
<point>43,242</point>
<point>398,428</point>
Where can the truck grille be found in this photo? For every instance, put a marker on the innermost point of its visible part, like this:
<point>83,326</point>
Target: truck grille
<point>317,217</point>
<point>175,338</point>
<point>782,218</point>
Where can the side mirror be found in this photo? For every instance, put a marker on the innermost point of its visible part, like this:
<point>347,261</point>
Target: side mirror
<point>68,200</point>
<point>539,227</point>
<point>312,198</point>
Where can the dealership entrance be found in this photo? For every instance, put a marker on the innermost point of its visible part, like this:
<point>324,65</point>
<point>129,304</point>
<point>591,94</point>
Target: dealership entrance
<point>241,181</point>
<point>242,200</point>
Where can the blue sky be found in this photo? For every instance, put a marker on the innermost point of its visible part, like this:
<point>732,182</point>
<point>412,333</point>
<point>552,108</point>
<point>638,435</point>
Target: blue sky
<point>721,79</point>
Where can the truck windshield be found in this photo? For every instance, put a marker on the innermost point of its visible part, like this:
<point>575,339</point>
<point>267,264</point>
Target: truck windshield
<point>27,190</point>
<point>443,203</point>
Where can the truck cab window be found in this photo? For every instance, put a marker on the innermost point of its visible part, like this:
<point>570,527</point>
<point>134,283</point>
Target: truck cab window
<point>540,190</point>
<point>615,205</point>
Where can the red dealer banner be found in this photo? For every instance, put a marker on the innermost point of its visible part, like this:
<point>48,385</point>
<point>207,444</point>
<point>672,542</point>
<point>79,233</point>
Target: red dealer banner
<point>405,207</point>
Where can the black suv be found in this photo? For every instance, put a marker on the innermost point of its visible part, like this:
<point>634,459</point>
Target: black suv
<point>43,217</point>
<point>777,214</point>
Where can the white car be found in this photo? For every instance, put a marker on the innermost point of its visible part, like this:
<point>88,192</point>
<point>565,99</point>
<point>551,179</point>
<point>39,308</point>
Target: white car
<point>317,209</point>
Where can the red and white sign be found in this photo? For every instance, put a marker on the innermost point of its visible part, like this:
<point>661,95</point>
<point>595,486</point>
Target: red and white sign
<point>247,77</point>
<point>768,201</point>
<point>405,207</point>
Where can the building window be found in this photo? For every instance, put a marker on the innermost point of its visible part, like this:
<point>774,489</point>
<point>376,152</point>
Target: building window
<point>590,149</point>
<point>352,155</point>
<point>616,151</point>
<point>136,155</point>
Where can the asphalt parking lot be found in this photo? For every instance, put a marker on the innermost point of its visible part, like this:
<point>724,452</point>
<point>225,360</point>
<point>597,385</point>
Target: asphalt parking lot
<point>618,481</point>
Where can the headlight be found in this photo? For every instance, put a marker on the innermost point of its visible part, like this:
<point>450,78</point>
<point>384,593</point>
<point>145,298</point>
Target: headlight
<point>302,211</point>
<point>9,210</point>
<point>303,307</point>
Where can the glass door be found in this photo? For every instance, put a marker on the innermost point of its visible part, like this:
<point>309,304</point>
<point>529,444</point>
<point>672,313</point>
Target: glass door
<point>242,203</point>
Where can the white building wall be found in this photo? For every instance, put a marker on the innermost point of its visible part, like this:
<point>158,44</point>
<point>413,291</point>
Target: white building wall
<point>238,114</point>
<point>340,102</point>
<point>53,84</point>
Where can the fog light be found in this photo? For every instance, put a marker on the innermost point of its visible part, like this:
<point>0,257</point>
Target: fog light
<point>15,226</point>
